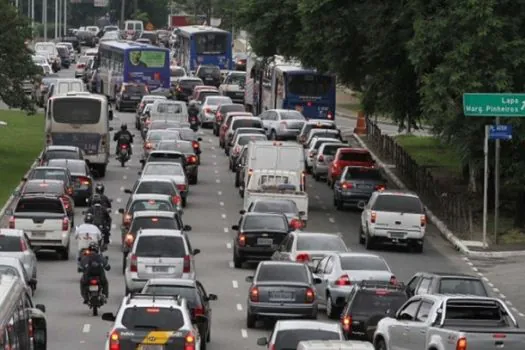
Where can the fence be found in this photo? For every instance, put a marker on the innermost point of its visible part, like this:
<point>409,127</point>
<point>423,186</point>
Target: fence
<point>453,208</point>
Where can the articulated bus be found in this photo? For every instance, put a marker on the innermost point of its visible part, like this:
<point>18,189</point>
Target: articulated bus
<point>129,62</point>
<point>203,45</point>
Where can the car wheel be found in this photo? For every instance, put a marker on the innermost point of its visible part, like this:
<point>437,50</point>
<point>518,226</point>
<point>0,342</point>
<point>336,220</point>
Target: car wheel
<point>380,345</point>
<point>184,202</point>
<point>237,182</point>
<point>368,241</point>
<point>361,235</point>
<point>418,248</point>
<point>64,253</point>
<point>208,337</point>
<point>193,180</point>
<point>340,205</point>
<point>316,177</point>
<point>203,344</point>
<point>332,311</point>
<point>237,261</point>
<point>273,135</point>
<point>250,320</point>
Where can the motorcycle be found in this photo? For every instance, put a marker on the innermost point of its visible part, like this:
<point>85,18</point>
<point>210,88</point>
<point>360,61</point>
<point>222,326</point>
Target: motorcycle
<point>105,237</point>
<point>194,123</point>
<point>96,298</point>
<point>123,154</point>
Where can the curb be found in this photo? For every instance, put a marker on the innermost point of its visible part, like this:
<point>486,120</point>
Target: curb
<point>441,226</point>
<point>12,198</point>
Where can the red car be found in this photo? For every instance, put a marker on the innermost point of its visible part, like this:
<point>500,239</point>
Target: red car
<point>348,156</point>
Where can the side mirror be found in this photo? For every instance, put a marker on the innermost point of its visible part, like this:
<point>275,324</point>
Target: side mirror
<point>199,320</point>
<point>242,212</point>
<point>262,341</point>
<point>139,173</point>
<point>110,115</point>
<point>121,210</point>
<point>108,316</point>
<point>317,280</point>
<point>111,128</point>
<point>212,297</point>
<point>196,251</point>
<point>41,307</point>
<point>142,161</point>
<point>302,213</point>
<point>199,139</point>
<point>128,191</point>
<point>187,228</point>
<point>235,227</point>
<point>249,279</point>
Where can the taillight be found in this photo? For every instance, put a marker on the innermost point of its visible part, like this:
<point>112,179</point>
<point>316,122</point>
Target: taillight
<point>133,264</point>
<point>198,311</point>
<point>81,65</point>
<point>176,200</point>
<point>347,324</point>
<point>93,282</point>
<point>65,200</point>
<point>114,341</point>
<point>321,158</point>
<point>283,125</point>
<point>373,217</point>
<point>129,239</point>
<point>296,224</point>
<point>12,222</point>
<point>186,268</point>
<point>423,220</point>
<point>85,181</point>
<point>30,328</point>
<point>329,115</point>
<point>254,294</point>
<point>380,187</point>
<point>23,245</point>
<point>207,110</point>
<point>461,344</point>
<point>303,181</point>
<point>272,347</point>
<point>344,280</point>
<point>127,219</point>
<point>181,188</point>
<point>65,224</point>
<point>147,122</point>
<point>347,185</point>
<point>302,257</point>
<point>123,146</point>
<point>195,144</point>
<point>309,296</point>
<point>393,280</point>
<point>191,159</point>
<point>189,342</point>
<point>148,145</point>
<point>242,239</point>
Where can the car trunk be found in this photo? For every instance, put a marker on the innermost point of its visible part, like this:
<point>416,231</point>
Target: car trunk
<point>365,187</point>
<point>372,275</point>
<point>294,124</point>
<point>284,292</point>
<point>81,182</point>
<point>263,238</point>
<point>158,267</point>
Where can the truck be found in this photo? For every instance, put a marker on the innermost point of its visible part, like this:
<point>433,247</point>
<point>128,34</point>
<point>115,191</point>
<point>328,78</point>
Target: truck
<point>178,21</point>
<point>450,322</point>
<point>270,184</point>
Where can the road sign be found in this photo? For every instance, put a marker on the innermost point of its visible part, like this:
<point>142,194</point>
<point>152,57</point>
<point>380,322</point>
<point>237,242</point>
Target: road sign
<point>494,105</point>
<point>500,132</point>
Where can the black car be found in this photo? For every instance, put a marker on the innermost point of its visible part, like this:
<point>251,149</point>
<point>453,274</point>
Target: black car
<point>81,175</point>
<point>183,88</point>
<point>367,304</point>
<point>194,293</point>
<point>220,114</point>
<point>446,283</point>
<point>130,95</point>
<point>258,236</point>
<point>74,41</point>
<point>210,75</point>
<point>63,52</point>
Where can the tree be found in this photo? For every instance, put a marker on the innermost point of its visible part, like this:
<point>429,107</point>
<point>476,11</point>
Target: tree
<point>16,64</point>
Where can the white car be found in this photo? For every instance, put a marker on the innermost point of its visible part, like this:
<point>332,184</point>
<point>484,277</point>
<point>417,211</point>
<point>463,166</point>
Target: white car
<point>15,243</point>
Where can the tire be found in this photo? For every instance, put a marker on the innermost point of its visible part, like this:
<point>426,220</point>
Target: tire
<point>102,170</point>
<point>184,202</point>
<point>64,253</point>
<point>237,261</point>
<point>273,135</point>
<point>368,242</point>
<point>361,235</point>
<point>208,337</point>
<point>237,182</point>
<point>95,311</point>
<point>127,291</point>
<point>122,163</point>
<point>418,248</point>
<point>380,344</point>
<point>333,312</point>
<point>316,177</point>
<point>123,264</point>
<point>250,320</point>
<point>203,344</point>
<point>193,180</point>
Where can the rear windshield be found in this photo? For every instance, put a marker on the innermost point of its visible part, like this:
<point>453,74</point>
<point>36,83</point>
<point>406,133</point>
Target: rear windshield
<point>318,143</point>
<point>39,205</point>
<point>204,94</point>
<point>323,242</point>
<point>276,207</point>
<point>190,83</point>
<point>289,339</point>
<point>184,147</point>
<point>378,302</point>
<point>160,223</point>
<point>244,140</point>
<point>465,286</point>
<point>42,187</point>
<point>356,157</point>
<point>163,169</point>
<point>155,136</point>
<point>292,115</point>
<point>145,205</point>
<point>169,108</point>
<point>331,150</point>
<point>232,108</point>
<point>160,246</point>
<point>152,318</point>
<point>74,167</point>
<point>459,310</point>
<point>77,110</point>
<point>363,263</point>
<point>61,155</point>
<point>309,127</point>
<point>363,174</point>
<point>165,157</point>
<point>10,244</point>
<point>246,123</point>
<point>50,174</point>
<point>210,71</point>
<point>398,204</point>
<point>265,222</point>
<point>136,89</point>
<point>215,101</point>
<point>240,131</point>
<point>155,187</point>
<point>188,293</point>
<point>282,272</point>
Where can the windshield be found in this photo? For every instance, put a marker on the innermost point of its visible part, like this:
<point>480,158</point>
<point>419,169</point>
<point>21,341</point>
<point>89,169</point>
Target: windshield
<point>155,187</point>
<point>292,115</point>
<point>171,135</point>
<point>211,43</point>
<point>237,79</point>
<point>215,101</point>
<point>265,223</point>
<point>362,262</point>
<point>282,272</point>
<point>147,205</point>
<point>187,134</point>
<point>190,83</point>
<point>184,147</point>
<point>10,244</point>
<point>318,143</point>
<point>378,303</point>
<point>188,293</point>
<point>152,318</point>
<point>466,286</point>
<point>276,207</point>
<point>289,339</point>
<point>321,242</point>
<point>231,108</point>
<point>77,110</point>
<point>51,174</point>
<point>363,174</point>
<point>398,204</point>
<point>244,140</point>
<point>160,246</point>
<point>160,223</point>
<point>163,169</point>
<point>309,84</point>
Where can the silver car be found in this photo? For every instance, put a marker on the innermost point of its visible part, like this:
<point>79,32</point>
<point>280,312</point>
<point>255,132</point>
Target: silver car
<point>13,266</point>
<point>282,124</point>
<point>340,271</point>
<point>159,254</point>
<point>81,66</point>
<point>170,170</point>
<point>324,157</point>
<point>326,133</point>
<point>15,243</point>
<point>287,334</point>
<point>209,106</point>
<point>310,152</point>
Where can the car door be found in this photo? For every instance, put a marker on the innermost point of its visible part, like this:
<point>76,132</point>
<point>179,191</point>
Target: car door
<point>264,118</point>
<point>417,333</point>
<point>29,258</point>
<point>320,272</point>
<point>272,121</point>
<point>399,330</point>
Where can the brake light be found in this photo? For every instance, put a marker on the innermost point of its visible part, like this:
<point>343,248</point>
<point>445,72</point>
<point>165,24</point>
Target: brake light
<point>148,145</point>
<point>461,344</point>
<point>302,257</point>
<point>329,115</point>
<point>81,65</point>
<point>65,224</point>
<point>309,104</point>
<point>272,347</point>
<point>321,158</point>
<point>191,159</point>
<point>344,280</point>
<point>153,310</point>
<point>93,282</point>
<point>129,239</point>
<point>65,200</point>
<point>84,181</point>
<point>181,188</point>
<point>423,220</point>
<point>312,154</point>
<point>380,187</point>
<point>393,280</point>
<point>347,185</point>
<point>23,245</point>
<point>309,296</point>
<point>186,268</point>
<point>335,165</point>
<point>303,181</point>
<point>207,110</point>
<point>499,336</point>
<point>133,263</point>
<point>189,342</point>
<point>123,146</point>
<point>114,341</point>
<point>296,224</point>
<point>176,200</point>
<point>195,144</point>
<point>347,324</point>
<point>30,328</point>
<point>283,125</point>
<point>254,294</point>
<point>198,311</point>
<point>12,222</point>
<point>373,217</point>
<point>127,219</point>
<point>242,239</point>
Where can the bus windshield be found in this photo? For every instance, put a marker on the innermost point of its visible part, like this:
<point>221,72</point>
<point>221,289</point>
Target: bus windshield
<point>77,110</point>
<point>309,84</point>
<point>211,43</point>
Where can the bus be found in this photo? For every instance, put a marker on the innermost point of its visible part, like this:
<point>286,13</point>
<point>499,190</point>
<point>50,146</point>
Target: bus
<point>287,85</point>
<point>81,119</point>
<point>129,62</point>
<point>198,45</point>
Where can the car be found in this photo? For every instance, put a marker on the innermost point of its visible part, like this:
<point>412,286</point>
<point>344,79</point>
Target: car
<point>173,171</point>
<point>184,87</point>
<point>310,153</point>
<point>10,265</point>
<point>141,315</point>
<point>176,73</point>
<point>324,157</point>
<point>14,243</point>
<point>81,175</point>
<point>129,96</point>
<point>52,187</point>
<point>348,156</point>
<point>240,59</point>
<point>367,303</point>
<point>210,75</point>
<point>151,35</point>
<point>208,108</point>
<point>60,152</point>
<point>187,134</point>
<point>340,271</point>
<point>239,122</point>
<point>258,235</point>
<point>225,124</point>
<point>393,217</point>
<point>163,124</point>
<point>237,144</point>
<point>144,202</point>
<point>446,283</point>
<point>309,247</point>
<point>153,138</point>
<point>282,124</point>
<point>159,253</point>
<point>186,157</point>
<point>222,109</point>
<point>63,52</point>
<point>146,99</point>
<point>194,293</point>
<point>356,185</point>
<point>287,334</point>
<point>287,207</point>
<point>40,90</point>
<point>281,289</point>
<point>334,134</point>
<point>240,131</point>
<point>157,185</point>
<point>314,124</point>
<point>334,344</point>
<point>52,173</point>
<point>233,86</point>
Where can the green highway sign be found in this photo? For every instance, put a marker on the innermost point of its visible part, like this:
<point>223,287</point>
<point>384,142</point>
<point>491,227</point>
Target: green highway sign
<point>494,105</point>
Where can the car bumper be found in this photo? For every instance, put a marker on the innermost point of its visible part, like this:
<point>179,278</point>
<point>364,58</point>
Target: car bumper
<point>397,235</point>
<point>129,103</point>
<point>353,198</point>
<point>58,239</point>
<point>207,118</point>
<point>339,295</point>
<point>255,253</point>
<point>320,169</point>
<point>82,194</point>
<point>288,134</point>
<point>271,310</point>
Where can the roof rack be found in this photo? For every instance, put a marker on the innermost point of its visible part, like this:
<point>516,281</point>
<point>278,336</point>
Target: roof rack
<point>371,284</point>
<point>177,298</point>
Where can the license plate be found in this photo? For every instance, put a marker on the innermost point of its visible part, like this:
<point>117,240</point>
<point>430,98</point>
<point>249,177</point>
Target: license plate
<point>150,347</point>
<point>38,234</point>
<point>397,234</point>
<point>264,241</point>
<point>364,186</point>
<point>160,269</point>
<point>284,296</point>
<point>208,79</point>
<point>93,288</point>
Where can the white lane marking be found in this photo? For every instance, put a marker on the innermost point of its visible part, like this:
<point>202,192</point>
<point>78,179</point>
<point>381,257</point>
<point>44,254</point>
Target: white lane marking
<point>119,200</point>
<point>522,315</point>
<point>475,269</point>
<point>113,226</point>
<point>219,193</point>
<point>116,212</point>
<point>215,163</point>
<point>509,303</point>
<point>216,171</point>
<point>229,245</point>
<point>239,307</point>
<point>244,333</point>
<point>226,230</point>
<point>490,284</point>
<point>213,148</point>
<point>496,290</point>
<point>218,181</point>
<point>332,220</point>
<point>124,177</point>
<point>470,263</point>
<point>231,264</point>
<point>514,309</point>
<point>502,296</point>
<point>214,156</point>
<point>210,140</point>
<point>221,204</point>
<point>86,328</point>
<point>122,189</point>
<point>82,342</point>
<point>480,274</point>
<point>485,279</point>
<point>223,216</point>
<point>235,284</point>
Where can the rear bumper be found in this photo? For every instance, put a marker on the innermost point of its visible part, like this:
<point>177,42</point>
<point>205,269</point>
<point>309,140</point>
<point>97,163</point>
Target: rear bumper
<point>352,198</point>
<point>254,253</point>
<point>288,134</point>
<point>271,310</point>
<point>129,103</point>
<point>320,169</point>
<point>83,193</point>
<point>53,240</point>
<point>339,295</point>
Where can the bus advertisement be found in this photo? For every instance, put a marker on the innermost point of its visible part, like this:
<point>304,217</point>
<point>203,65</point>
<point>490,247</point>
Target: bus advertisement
<point>198,45</point>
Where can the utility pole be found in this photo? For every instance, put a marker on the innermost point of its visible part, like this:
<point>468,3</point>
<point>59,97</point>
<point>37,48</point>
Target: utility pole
<point>44,18</point>
<point>56,19</point>
<point>65,17</point>
<point>16,4</point>
<point>496,185</point>
<point>33,14</point>
<point>122,10</point>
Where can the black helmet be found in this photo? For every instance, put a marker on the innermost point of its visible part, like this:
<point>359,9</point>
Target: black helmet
<point>88,219</point>
<point>124,127</point>
<point>100,188</point>
<point>96,199</point>
<point>93,246</point>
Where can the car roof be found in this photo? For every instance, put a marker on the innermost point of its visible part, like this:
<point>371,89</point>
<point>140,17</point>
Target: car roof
<point>154,213</point>
<point>344,254</point>
<point>398,193</point>
<point>62,148</point>
<point>50,181</point>
<point>309,234</point>
<point>283,325</point>
<point>165,151</point>
<point>65,161</point>
<point>448,274</point>
<point>272,262</point>
<point>160,232</point>
<point>172,281</point>
<point>154,179</point>
<point>47,167</point>
<point>143,196</point>
<point>11,232</point>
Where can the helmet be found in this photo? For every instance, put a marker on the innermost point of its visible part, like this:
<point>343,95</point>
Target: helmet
<point>100,188</point>
<point>96,199</point>
<point>88,219</point>
<point>93,246</point>
<point>123,127</point>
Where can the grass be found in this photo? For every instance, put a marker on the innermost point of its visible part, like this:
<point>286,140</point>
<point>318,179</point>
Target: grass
<point>430,152</point>
<point>21,142</point>
<point>354,107</point>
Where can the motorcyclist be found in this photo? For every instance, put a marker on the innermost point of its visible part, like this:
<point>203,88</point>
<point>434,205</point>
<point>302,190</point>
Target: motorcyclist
<point>101,217</point>
<point>86,234</point>
<point>104,200</point>
<point>93,265</point>
<point>123,137</point>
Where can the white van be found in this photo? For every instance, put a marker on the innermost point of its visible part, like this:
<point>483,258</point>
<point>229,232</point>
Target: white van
<point>334,345</point>
<point>133,29</point>
<point>63,86</point>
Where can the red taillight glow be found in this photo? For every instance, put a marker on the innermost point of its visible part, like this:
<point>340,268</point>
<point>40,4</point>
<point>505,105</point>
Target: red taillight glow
<point>195,144</point>
<point>133,264</point>
<point>30,328</point>
<point>181,188</point>
<point>296,224</point>
<point>85,181</point>
<point>242,239</point>
<point>148,145</point>
<point>302,257</point>
<point>380,187</point>
<point>499,336</point>
<point>23,245</point>
<point>129,239</point>
<point>309,104</point>
<point>393,280</point>
<point>347,185</point>
<point>373,217</point>
<point>344,280</point>
<point>207,110</point>
<point>93,282</point>
<point>114,341</point>
<point>321,158</point>
<point>123,146</point>
<point>127,219</point>
<point>198,311</point>
<point>309,295</point>
<point>461,344</point>
<point>191,159</point>
<point>329,115</point>
<point>65,224</point>
<point>176,200</point>
<point>254,294</point>
<point>189,342</point>
<point>12,222</point>
<point>423,220</point>
<point>347,324</point>
<point>186,268</point>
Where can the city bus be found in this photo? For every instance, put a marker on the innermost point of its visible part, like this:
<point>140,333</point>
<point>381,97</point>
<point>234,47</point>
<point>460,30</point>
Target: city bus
<point>129,62</point>
<point>81,119</point>
<point>198,45</point>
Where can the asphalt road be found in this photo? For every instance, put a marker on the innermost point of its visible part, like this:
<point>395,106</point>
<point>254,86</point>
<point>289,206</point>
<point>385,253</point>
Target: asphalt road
<point>213,206</point>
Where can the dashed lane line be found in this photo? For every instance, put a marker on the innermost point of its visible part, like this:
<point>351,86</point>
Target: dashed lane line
<point>86,328</point>
<point>226,230</point>
<point>235,284</point>
<point>223,216</point>
<point>221,204</point>
<point>229,245</point>
<point>239,307</point>
<point>244,333</point>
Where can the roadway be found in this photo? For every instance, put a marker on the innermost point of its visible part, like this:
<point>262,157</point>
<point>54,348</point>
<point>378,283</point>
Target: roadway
<point>214,198</point>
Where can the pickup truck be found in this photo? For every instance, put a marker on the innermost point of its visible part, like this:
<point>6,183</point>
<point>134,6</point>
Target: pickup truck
<point>450,322</point>
<point>45,220</point>
<point>267,184</point>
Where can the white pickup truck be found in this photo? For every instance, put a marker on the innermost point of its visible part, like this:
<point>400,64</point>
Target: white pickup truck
<point>276,184</point>
<point>45,221</point>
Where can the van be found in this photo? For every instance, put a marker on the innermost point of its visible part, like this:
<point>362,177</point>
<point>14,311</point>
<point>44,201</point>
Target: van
<point>63,86</point>
<point>133,29</point>
<point>334,345</point>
